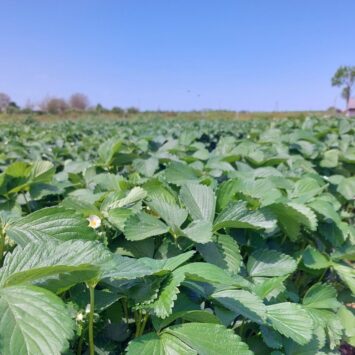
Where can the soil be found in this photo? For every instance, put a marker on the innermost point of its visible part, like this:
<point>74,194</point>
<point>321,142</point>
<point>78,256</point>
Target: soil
<point>347,349</point>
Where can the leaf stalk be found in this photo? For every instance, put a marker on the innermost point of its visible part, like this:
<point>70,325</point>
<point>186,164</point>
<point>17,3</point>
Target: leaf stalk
<point>91,321</point>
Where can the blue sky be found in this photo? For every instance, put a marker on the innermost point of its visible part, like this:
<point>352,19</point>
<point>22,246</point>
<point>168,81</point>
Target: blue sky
<point>181,54</point>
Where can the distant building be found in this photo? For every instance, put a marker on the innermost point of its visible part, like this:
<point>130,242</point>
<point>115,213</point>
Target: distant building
<point>350,111</point>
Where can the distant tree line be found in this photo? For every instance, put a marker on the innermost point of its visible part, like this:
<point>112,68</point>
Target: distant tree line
<point>343,78</point>
<point>56,105</point>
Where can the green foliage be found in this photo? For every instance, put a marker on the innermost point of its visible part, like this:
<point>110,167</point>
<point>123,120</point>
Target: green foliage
<point>54,222</point>
<point>344,77</point>
<point>33,321</point>
<point>190,338</point>
<point>177,237</point>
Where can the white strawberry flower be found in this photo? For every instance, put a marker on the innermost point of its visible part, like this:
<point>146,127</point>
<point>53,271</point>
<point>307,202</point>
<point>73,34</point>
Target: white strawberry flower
<point>79,317</point>
<point>94,221</point>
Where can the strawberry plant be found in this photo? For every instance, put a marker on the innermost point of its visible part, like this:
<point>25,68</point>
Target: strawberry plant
<point>177,237</point>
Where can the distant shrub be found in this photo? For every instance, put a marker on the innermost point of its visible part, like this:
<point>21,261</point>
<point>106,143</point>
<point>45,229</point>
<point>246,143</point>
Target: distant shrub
<point>132,110</point>
<point>30,120</point>
<point>99,108</point>
<point>79,102</point>
<point>26,110</point>
<point>54,105</point>
<point>12,108</point>
<point>118,110</point>
<point>333,109</point>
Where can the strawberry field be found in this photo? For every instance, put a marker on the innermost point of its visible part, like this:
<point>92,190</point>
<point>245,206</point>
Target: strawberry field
<point>177,237</point>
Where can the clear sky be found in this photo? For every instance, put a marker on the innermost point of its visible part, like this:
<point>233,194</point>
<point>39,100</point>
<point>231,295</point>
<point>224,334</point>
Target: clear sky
<point>178,54</point>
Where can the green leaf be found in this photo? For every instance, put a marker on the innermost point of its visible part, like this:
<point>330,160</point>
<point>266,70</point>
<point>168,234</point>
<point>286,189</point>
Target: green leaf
<point>291,320</point>
<point>330,159</point>
<point>146,167</point>
<point>107,151</point>
<point>305,189</point>
<point>335,332</point>
<point>266,287</point>
<point>118,216</point>
<point>35,176</point>
<point>262,190</point>
<point>72,275</point>
<point>327,210</point>
<point>347,274</point>
<point>120,199</point>
<point>137,249</point>
<point>292,216</point>
<point>188,339</point>
<point>346,252</point>
<point>270,263</point>
<point>321,296</point>
<point>199,316</point>
<point>168,292</point>
<point>172,214</point>
<point>86,196</point>
<point>312,347</point>
<point>327,321</point>
<point>158,190</point>
<point>123,268</point>
<point>142,225</point>
<point>313,259</point>
<point>347,188</point>
<point>170,263</point>
<point>106,182</point>
<point>41,171</point>
<point>133,196</point>
<point>53,222</point>
<point>180,174</point>
<point>17,169</point>
<point>199,200</point>
<point>85,208</point>
<point>321,317</point>
<point>209,339</point>
<point>242,302</point>
<point>206,272</point>
<point>226,192</point>
<point>199,231</point>
<point>223,251</point>
<point>33,321</point>
<point>271,338</point>
<point>237,215</point>
<point>104,298</point>
<point>347,319</point>
<point>147,344</point>
<point>54,265</point>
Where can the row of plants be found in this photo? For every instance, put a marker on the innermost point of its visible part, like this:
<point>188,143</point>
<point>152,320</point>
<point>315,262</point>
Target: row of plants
<point>177,237</point>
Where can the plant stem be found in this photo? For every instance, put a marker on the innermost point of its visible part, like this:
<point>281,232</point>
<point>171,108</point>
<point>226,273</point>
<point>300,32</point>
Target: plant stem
<point>27,203</point>
<point>322,275</point>
<point>80,344</point>
<point>298,280</point>
<point>2,246</point>
<point>241,331</point>
<point>145,319</point>
<point>125,308</point>
<point>91,321</point>
<point>283,239</point>
<point>138,324</point>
